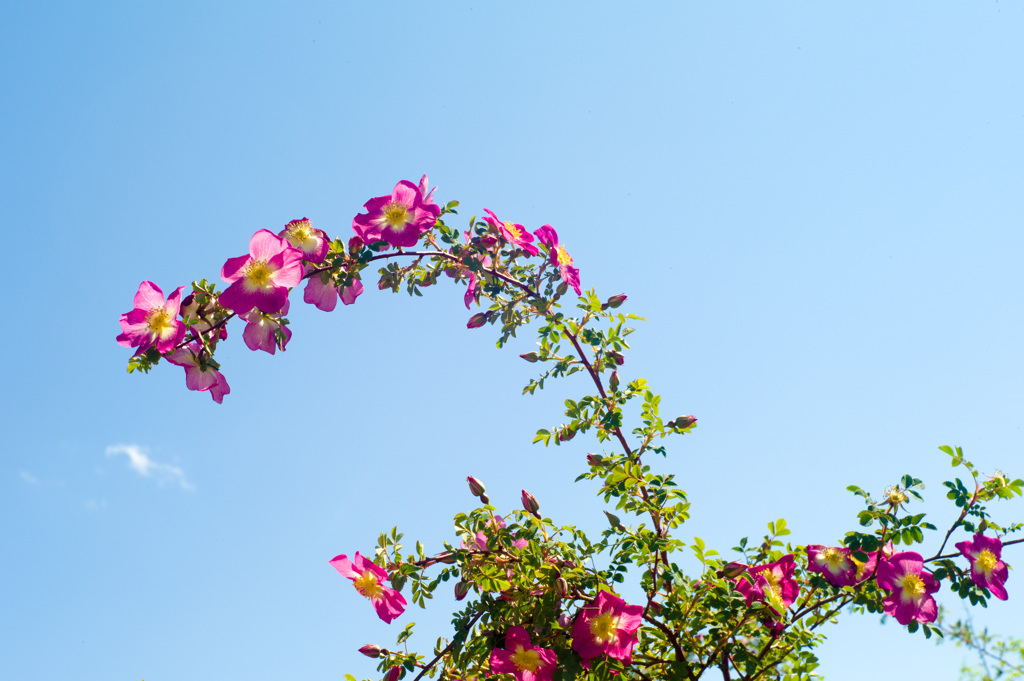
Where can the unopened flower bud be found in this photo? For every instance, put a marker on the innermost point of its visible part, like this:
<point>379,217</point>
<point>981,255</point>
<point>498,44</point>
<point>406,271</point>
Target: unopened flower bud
<point>393,674</point>
<point>613,519</point>
<point>461,589</point>
<point>484,499</point>
<point>617,357</point>
<point>613,381</point>
<point>566,435</point>
<point>562,587</point>
<point>656,606</point>
<point>732,570</point>
<point>355,244</point>
<point>530,356</point>
<point>370,650</point>
<point>595,460</point>
<point>530,503</point>
<point>476,488</point>
<point>564,620</point>
<point>682,422</point>
<point>476,321</point>
<point>615,301</point>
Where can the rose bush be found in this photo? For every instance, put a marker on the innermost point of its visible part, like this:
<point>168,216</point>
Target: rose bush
<point>544,602</point>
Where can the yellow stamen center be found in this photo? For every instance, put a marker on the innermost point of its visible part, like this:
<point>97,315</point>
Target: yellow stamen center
<point>514,232</point>
<point>604,627</point>
<point>525,659</point>
<point>895,495</point>
<point>563,256</point>
<point>368,585</point>
<point>834,560</point>
<point>158,320</point>
<point>257,273</point>
<point>913,586</point>
<point>986,561</point>
<point>299,233</point>
<point>396,215</point>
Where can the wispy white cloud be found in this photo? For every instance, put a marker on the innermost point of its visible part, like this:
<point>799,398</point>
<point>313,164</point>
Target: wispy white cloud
<point>140,462</point>
<point>29,478</point>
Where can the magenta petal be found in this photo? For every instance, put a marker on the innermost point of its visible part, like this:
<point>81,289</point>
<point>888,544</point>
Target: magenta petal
<point>350,293</point>
<point>407,194</point>
<point>343,565</point>
<point>233,268</point>
<point>547,235</point>
<point>259,335</point>
<point>264,245</point>
<point>148,296</point>
<point>323,296</point>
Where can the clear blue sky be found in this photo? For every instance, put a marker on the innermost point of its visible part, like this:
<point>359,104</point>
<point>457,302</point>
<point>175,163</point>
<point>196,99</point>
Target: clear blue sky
<point>817,206</point>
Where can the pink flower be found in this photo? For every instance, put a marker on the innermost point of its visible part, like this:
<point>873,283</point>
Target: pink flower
<point>833,563</point>
<point>608,626</point>
<point>903,574</point>
<point>262,278</point>
<point>152,321</point>
<point>398,219</point>
<point>559,256</point>
<point>261,331</point>
<point>199,375</point>
<point>369,581</point>
<point>987,570</point>
<point>521,659</point>
<point>324,296</point>
<point>312,243</point>
<point>773,584</point>
<point>517,235</point>
<point>480,538</point>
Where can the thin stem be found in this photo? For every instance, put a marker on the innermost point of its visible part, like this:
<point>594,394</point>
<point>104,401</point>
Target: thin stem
<point>427,667</point>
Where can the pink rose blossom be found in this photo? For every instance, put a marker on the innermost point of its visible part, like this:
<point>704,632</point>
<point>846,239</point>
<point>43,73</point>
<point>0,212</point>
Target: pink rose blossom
<point>479,540</point>
<point>903,574</point>
<point>324,295</point>
<point>312,243</point>
<point>987,570</point>
<point>517,235</point>
<point>607,627</point>
<point>559,256</point>
<point>262,278</point>
<point>833,563</point>
<point>773,584</point>
<point>198,377</point>
<point>261,331</point>
<point>398,219</point>
<point>369,581</point>
<point>521,659</point>
<point>152,321</point>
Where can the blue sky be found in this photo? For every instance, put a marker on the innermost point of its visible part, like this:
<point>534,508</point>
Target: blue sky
<point>817,207</point>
